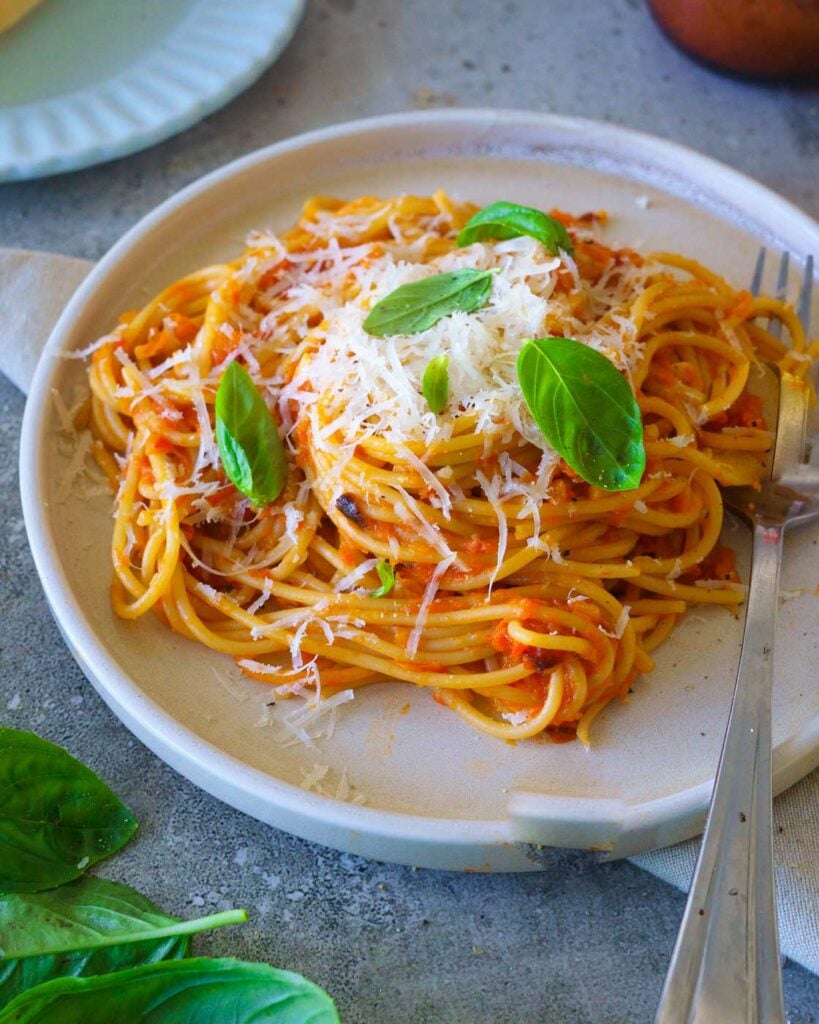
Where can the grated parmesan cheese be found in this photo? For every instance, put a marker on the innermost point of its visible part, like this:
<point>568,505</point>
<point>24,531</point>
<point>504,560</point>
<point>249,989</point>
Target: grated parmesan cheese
<point>429,596</point>
<point>318,780</point>
<point>312,719</point>
<point>491,490</point>
<point>622,621</point>
<point>515,717</point>
<point>349,581</point>
<point>676,570</point>
<point>267,587</point>
<point>63,415</point>
<point>313,776</point>
<point>355,385</point>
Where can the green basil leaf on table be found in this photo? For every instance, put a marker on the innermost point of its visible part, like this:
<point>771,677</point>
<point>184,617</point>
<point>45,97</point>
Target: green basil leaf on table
<point>57,818</point>
<point>585,409</point>
<point>420,305</point>
<point>250,448</point>
<point>386,575</point>
<point>198,991</point>
<point>87,927</point>
<point>435,383</point>
<point>508,220</point>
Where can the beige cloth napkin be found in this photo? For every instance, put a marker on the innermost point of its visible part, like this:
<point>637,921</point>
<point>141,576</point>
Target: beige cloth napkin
<point>34,288</point>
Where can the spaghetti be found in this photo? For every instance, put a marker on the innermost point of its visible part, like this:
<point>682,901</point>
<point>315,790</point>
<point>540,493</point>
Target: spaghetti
<point>524,598</point>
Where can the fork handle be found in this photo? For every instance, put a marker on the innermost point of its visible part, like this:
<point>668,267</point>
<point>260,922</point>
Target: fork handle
<point>725,968</point>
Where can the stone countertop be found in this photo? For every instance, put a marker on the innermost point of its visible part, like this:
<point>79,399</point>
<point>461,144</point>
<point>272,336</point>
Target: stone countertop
<point>582,942</point>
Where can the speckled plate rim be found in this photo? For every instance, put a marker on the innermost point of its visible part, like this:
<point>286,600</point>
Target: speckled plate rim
<point>225,47</point>
<point>612,826</point>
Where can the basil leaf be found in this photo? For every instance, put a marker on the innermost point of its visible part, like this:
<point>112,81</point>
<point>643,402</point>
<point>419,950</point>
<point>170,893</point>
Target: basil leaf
<point>435,383</point>
<point>17,976</point>
<point>56,816</point>
<point>508,220</point>
<point>420,305</point>
<point>585,409</point>
<point>386,574</point>
<point>250,448</point>
<point>198,991</point>
<point>91,926</point>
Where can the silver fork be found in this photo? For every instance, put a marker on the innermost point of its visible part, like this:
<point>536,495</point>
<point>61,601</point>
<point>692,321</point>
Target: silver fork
<point>726,968</point>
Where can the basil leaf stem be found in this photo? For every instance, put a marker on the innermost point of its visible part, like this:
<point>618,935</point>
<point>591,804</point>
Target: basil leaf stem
<point>177,992</point>
<point>250,448</point>
<point>435,383</point>
<point>585,409</point>
<point>87,927</point>
<point>508,220</point>
<point>56,816</point>
<point>386,574</point>
<point>420,305</point>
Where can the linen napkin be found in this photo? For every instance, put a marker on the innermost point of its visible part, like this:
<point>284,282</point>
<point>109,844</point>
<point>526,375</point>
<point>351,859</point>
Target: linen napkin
<point>34,288</point>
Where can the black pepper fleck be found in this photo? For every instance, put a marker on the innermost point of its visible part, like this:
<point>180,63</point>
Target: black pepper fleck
<point>346,504</point>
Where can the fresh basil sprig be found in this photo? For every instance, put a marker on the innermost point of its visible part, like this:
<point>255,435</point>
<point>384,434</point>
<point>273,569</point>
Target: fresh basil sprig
<point>197,991</point>
<point>420,305</point>
<point>508,220</point>
<point>91,926</point>
<point>435,383</point>
<point>585,409</point>
<point>56,816</point>
<point>62,951</point>
<point>250,448</point>
<point>386,574</point>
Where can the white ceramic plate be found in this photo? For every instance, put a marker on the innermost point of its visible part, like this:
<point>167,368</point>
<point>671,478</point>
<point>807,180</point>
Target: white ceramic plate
<point>437,793</point>
<point>83,81</point>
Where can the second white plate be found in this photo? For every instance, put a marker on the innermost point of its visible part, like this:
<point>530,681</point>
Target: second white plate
<point>83,81</point>
<point>435,792</point>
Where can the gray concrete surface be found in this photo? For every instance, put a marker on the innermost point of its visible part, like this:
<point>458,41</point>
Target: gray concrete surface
<point>581,943</point>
